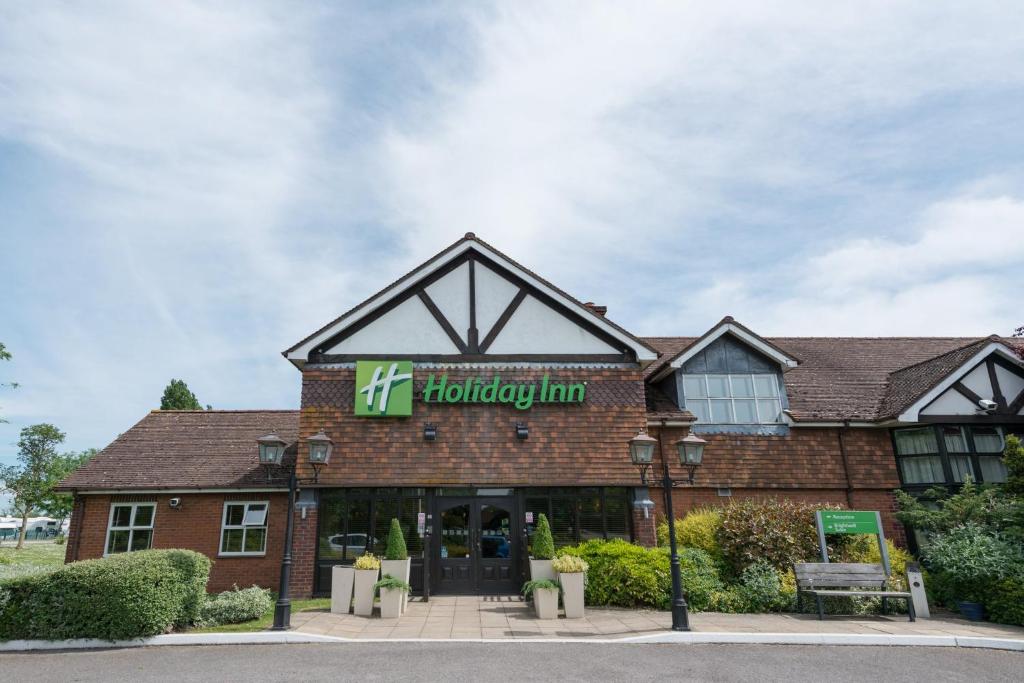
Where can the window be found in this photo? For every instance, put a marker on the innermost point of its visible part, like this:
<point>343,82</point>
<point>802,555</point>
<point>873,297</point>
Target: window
<point>948,454</point>
<point>733,399</point>
<point>355,521</point>
<point>130,527</point>
<point>579,514</point>
<point>244,529</point>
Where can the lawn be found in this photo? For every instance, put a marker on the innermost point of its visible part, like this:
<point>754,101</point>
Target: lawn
<point>36,556</point>
<point>264,622</point>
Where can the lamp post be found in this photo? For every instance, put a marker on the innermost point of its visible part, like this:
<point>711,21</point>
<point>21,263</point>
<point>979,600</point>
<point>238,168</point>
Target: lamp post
<point>320,447</point>
<point>690,450</point>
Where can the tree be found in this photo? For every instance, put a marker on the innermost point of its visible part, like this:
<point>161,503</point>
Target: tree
<point>40,471</point>
<point>60,505</point>
<point>177,396</point>
<point>1013,456</point>
<point>6,355</point>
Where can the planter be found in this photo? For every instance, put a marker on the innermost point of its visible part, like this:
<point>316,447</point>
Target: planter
<point>545,602</point>
<point>974,611</point>
<point>400,569</point>
<point>342,579</point>
<point>572,594</point>
<point>391,602</point>
<point>364,580</point>
<point>541,569</point>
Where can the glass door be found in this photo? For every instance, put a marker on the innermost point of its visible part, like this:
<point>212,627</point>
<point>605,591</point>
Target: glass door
<point>476,548</point>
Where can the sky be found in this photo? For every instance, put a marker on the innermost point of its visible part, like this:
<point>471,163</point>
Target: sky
<point>187,189</point>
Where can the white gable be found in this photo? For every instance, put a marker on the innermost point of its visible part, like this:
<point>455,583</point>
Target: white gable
<point>1010,384</point>
<point>407,328</point>
<point>493,295</point>
<point>535,328</point>
<point>952,402</point>
<point>451,294</point>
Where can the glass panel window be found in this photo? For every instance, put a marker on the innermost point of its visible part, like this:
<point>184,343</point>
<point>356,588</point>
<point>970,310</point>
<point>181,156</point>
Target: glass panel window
<point>955,440</point>
<point>961,468</point>
<point>718,386</point>
<point>993,469</point>
<point>244,528</point>
<point>988,440</point>
<point>742,386</point>
<point>130,527</point>
<point>769,410</point>
<point>700,410</point>
<point>721,412</point>
<point>916,441</point>
<point>765,386</point>
<point>746,411</point>
<point>694,386</point>
<point>922,470</point>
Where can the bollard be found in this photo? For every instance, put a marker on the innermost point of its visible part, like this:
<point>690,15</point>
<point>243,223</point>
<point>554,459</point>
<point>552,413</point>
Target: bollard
<point>915,583</point>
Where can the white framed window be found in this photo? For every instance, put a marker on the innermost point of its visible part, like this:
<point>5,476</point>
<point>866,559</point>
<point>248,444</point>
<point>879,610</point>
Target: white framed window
<point>130,527</point>
<point>244,528</point>
<point>733,398</point>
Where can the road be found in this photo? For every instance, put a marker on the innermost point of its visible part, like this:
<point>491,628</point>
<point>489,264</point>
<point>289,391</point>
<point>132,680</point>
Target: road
<point>514,661</point>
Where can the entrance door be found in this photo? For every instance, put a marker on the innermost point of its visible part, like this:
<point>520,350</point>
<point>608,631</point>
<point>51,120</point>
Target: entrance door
<point>476,543</point>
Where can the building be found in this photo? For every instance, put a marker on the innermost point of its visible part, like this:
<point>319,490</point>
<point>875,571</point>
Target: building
<point>471,395</point>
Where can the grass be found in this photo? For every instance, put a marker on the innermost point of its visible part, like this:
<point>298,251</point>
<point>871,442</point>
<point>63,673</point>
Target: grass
<point>264,622</point>
<point>36,556</point>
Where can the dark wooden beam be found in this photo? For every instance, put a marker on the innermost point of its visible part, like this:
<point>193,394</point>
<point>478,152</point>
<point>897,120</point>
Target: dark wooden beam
<point>968,394</point>
<point>442,321</point>
<point>973,419</point>
<point>997,393</point>
<point>500,323</point>
<point>472,336</point>
<point>1017,404</point>
<point>475,357</point>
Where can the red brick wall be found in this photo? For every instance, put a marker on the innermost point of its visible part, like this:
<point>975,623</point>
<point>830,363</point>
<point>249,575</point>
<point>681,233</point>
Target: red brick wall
<point>568,445</point>
<point>194,526</point>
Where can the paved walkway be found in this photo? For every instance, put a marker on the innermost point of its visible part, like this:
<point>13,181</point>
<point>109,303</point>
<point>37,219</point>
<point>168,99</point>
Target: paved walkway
<point>508,617</point>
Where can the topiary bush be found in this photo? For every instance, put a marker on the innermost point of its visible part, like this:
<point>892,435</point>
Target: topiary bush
<point>396,549</point>
<point>780,532</point>
<point>236,606</point>
<point>543,543</point>
<point>124,596</point>
<point>1004,601</point>
<point>627,575</point>
<point>698,529</point>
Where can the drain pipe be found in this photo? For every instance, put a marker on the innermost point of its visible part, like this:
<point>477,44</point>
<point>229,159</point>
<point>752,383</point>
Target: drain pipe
<point>846,462</point>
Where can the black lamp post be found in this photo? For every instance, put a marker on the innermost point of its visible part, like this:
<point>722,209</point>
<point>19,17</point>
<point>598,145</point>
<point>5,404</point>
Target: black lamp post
<point>691,452</point>
<point>320,446</point>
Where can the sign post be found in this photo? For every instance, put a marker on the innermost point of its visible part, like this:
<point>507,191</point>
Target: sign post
<point>851,522</point>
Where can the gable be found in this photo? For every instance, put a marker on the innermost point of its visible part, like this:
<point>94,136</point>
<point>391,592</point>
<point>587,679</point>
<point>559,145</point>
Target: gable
<point>728,354</point>
<point>992,374</point>
<point>470,303</point>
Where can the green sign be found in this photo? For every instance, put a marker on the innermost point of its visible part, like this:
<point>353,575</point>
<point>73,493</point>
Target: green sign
<point>522,395</point>
<point>848,522</point>
<point>384,388</point>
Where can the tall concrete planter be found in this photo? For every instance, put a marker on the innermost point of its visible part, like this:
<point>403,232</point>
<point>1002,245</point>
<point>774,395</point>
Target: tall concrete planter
<point>342,579</point>
<point>545,603</point>
<point>400,569</point>
<point>364,580</point>
<point>541,569</point>
<point>391,602</point>
<point>572,594</point>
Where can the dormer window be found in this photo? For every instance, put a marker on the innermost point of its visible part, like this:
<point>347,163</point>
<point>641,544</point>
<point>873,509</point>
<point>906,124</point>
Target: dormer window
<point>733,398</point>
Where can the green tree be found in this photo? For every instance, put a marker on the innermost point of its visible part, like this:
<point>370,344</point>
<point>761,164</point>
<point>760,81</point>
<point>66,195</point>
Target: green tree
<point>543,543</point>
<point>40,470</point>
<point>60,505</point>
<point>177,396</point>
<point>5,355</point>
<point>395,549</point>
<point>1013,456</point>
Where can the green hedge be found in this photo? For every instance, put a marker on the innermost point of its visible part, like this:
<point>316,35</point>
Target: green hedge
<point>131,595</point>
<point>628,575</point>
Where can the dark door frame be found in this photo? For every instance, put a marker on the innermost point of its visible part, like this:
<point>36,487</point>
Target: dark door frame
<point>475,503</point>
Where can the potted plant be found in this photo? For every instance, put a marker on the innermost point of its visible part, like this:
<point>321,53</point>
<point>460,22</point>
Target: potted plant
<point>545,597</point>
<point>396,562</point>
<point>367,568</point>
<point>543,551</point>
<point>572,578</point>
<point>392,591</point>
<point>342,578</point>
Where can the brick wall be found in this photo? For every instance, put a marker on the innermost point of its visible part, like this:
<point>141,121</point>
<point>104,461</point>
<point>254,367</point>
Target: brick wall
<point>195,526</point>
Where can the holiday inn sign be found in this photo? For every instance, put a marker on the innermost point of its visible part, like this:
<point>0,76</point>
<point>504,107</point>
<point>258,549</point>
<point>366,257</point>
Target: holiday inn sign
<point>384,389</point>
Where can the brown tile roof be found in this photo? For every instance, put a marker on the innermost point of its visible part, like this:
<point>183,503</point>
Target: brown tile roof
<point>185,449</point>
<point>853,378</point>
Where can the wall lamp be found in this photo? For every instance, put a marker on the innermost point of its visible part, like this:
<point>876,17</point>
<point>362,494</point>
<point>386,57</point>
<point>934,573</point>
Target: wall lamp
<point>522,431</point>
<point>429,431</point>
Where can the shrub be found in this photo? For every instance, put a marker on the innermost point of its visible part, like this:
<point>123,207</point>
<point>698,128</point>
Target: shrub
<point>864,548</point>
<point>124,596</point>
<point>236,606</point>
<point>367,561</point>
<point>628,575</point>
<point>698,529</point>
<point>543,543</point>
<point>1004,601</point>
<point>391,583</point>
<point>539,585</point>
<point>569,564</point>
<point>762,588</point>
<point>968,558</point>
<point>396,549</point>
<point>781,532</point>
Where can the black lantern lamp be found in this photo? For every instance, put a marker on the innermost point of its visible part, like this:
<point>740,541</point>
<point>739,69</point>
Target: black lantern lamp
<point>271,448</point>
<point>691,453</point>
<point>320,447</point>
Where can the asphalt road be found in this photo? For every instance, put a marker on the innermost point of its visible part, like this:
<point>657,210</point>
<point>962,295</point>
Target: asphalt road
<point>515,661</point>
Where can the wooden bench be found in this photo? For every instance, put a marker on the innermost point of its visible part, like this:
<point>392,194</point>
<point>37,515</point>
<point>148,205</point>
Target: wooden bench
<point>836,579</point>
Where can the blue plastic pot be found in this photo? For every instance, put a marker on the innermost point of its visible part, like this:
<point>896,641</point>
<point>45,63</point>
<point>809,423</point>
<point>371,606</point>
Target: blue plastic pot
<point>974,611</point>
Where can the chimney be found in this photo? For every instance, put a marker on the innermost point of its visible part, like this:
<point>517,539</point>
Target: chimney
<point>600,310</point>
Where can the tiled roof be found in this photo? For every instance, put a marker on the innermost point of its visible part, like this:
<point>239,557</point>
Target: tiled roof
<point>855,378</point>
<point>185,449</point>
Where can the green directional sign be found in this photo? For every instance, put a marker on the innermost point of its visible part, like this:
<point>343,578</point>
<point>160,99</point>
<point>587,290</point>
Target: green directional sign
<point>384,388</point>
<point>848,522</point>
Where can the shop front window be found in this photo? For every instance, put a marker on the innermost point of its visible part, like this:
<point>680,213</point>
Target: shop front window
<point>357,521</point>
<point>579,514</point>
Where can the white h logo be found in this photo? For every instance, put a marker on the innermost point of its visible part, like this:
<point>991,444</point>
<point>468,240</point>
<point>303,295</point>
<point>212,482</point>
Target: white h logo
<point>384,384</point>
